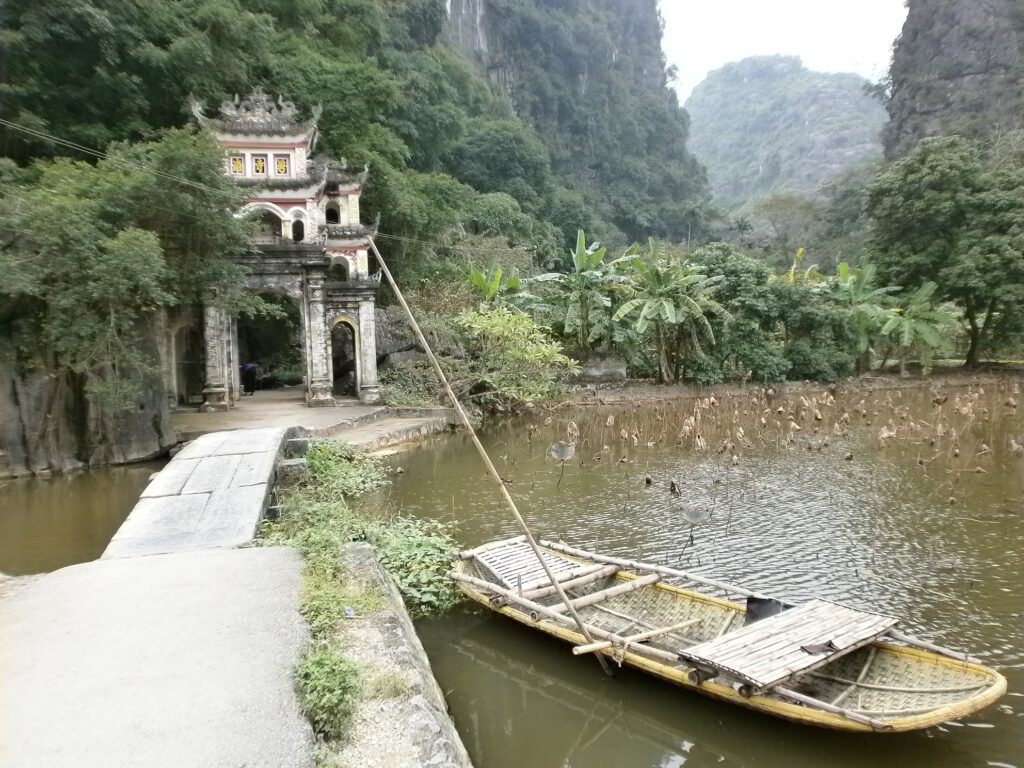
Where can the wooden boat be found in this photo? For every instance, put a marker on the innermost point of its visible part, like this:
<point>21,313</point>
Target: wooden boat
<point>819,663</point>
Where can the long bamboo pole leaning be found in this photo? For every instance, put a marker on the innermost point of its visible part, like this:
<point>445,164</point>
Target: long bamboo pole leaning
<point>491,469</point>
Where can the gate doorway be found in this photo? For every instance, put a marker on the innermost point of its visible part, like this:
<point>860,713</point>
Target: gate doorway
<point>343,360</point>
<point>274,345</point>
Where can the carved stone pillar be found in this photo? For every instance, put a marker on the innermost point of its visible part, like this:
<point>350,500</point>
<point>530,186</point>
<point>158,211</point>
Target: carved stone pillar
<point>215,386</point>
<point>320,380</point>
<point>369,387</point>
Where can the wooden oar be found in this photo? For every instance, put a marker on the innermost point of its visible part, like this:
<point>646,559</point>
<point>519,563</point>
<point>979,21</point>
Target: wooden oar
<point>491,469</point>
<point>640,637</point>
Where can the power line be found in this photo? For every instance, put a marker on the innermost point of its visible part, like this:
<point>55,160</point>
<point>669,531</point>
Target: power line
<point>207,188</point>
<point>117,160</point>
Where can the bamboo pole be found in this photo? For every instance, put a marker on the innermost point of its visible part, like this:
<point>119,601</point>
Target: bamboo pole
<point>627,640</point>
<point>600,572</point>
<point>620,589</point>
<point>824,706</point>
<point>491,470</point>
<point>932,647</point>
<point>636,565</point>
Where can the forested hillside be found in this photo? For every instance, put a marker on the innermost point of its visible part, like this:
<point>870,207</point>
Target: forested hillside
<point>767,125</point>
<point>589,76</point>
<point>957,68</point>
<point>115,208</point>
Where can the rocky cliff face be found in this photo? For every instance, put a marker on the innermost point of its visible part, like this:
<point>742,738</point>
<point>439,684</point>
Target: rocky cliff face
<point>957,69</point>
<point>767,125</point>
<point>589,77</point>
<point>48,425</point>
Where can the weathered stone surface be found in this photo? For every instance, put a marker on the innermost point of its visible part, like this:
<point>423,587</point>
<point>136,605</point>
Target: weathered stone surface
<point>291,472</point>
<point>211,495</point>
<point>47,423</point>
<point>164,662</point>
<point>957,68</point>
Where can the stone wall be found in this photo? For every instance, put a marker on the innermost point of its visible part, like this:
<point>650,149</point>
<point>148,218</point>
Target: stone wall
<point>413,729</point>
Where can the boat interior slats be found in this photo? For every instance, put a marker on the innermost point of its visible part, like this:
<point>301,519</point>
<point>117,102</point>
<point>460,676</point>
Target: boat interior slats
<point>767,652</point>
<point>516,564</point>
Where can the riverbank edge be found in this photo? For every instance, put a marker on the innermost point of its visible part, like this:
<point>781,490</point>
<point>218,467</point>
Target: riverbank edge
<point>415,727</point>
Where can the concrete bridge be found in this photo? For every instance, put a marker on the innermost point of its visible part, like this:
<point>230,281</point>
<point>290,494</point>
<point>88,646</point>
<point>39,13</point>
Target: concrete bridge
<point>175,648</point>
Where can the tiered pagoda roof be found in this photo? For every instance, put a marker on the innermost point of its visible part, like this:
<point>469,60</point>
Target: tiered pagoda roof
<point>257,115</point>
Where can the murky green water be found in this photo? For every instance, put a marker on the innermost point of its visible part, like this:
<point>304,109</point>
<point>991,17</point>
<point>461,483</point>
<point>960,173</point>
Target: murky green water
<point>48,524</point>
<point>892,500</point>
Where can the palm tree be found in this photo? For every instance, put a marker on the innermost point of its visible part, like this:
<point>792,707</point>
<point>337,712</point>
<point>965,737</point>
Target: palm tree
<point>920,326</point>
<point>674,298</point>
<point>583,295</point>
<point>854,291</point>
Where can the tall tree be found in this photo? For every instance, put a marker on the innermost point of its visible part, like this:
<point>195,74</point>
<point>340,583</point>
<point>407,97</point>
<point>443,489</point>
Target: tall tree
<point>941,214</point>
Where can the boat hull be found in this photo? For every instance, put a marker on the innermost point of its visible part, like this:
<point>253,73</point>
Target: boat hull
<point>961,687</point>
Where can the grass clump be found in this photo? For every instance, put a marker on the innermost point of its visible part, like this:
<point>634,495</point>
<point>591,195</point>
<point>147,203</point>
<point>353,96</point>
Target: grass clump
<point>330,686</point>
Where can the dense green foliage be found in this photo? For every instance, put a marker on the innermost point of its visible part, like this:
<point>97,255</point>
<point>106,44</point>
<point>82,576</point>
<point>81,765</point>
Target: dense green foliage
<point>318,520</point>
<point>589,76</point>
<point>329,684</point>
<point>766,125</point>
<point>91,251</point>
<point>943,213</point>
<point>396,96</point>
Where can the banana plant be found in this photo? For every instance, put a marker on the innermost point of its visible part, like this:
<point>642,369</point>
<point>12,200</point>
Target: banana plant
<point>854,290</point>
<point>494,286</point>
<point>674,299</point>
<point>919,327</point>
<point>582,296</point>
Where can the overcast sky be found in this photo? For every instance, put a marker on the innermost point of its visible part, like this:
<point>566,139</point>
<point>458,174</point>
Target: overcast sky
<point>702,35</point>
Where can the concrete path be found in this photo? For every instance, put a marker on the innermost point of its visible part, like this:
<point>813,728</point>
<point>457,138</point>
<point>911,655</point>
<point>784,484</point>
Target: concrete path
<point>275,408</point>
<point>211,495</point>
<point>171,661</point>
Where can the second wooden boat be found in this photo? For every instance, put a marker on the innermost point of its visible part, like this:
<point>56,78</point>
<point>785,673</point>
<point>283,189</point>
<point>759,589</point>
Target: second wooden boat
<point>818,663</point>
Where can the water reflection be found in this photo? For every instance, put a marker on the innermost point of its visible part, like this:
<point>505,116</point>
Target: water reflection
<point>48,524</point>
<point>889,501</point>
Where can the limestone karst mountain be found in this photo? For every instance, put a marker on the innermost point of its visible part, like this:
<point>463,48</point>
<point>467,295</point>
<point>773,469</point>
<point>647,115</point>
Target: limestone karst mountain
<point>767,124</point>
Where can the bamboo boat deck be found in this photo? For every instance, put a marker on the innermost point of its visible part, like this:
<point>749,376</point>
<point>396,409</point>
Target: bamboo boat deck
<point>799,640</point>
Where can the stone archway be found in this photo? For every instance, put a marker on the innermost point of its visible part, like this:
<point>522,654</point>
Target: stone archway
<point>345,369</point>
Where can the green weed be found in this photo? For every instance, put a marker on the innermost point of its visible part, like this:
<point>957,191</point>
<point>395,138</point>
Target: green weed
<point>329,684</point>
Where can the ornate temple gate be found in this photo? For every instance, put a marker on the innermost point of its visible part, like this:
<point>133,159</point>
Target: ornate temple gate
<point>312,248</point>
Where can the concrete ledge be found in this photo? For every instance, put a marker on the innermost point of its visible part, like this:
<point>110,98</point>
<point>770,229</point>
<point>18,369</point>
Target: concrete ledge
<point>395,733</point>
<point>164,662</point>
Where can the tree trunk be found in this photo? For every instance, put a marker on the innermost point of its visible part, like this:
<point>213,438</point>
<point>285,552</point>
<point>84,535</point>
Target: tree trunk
<point>974,348</point>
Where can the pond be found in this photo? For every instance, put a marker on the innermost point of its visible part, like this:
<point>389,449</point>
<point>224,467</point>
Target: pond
<point>48,524</point>
<point>908,501</point>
